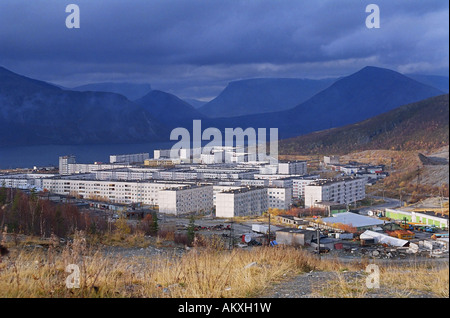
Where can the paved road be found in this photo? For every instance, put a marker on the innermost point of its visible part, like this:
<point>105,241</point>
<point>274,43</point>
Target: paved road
<point>389,204</point>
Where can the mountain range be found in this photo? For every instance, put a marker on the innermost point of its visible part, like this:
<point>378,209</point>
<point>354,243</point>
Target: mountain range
<point>262,95</point>
<point>34,112</point>
<point>437,81</point>
<point>131,91</point>
<point>169,109</point>
<point>364,94</point>
<point>416,126</point>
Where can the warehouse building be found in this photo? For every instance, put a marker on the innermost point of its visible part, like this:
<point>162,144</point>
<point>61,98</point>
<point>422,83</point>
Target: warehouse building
<point>295,237</point>
<point>427,218</point>
<point>360,222</point>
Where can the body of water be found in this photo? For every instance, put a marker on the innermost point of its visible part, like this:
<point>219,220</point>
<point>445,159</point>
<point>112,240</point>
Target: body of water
<point>48,155</point>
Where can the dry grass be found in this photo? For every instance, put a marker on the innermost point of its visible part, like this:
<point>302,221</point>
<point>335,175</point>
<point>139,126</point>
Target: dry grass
<point>413,280</point>
<point>398,281</point>
<point>202,272</point>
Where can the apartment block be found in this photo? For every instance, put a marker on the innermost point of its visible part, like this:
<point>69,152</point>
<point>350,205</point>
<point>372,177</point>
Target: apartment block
<point>24,180</point>
<point>279,198</point>
<point>64,163</point>
<point>129,158</point>
<point>112,191</point>
<point>185,200</point>
<point>342,191</point>
<point>292,167</point>
<point>299,184</point>
<point>241,202</point>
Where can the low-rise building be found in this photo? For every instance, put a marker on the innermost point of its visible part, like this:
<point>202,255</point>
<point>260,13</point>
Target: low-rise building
<point>295,237</point>
<point>358,221</point>
<point>427,218</point>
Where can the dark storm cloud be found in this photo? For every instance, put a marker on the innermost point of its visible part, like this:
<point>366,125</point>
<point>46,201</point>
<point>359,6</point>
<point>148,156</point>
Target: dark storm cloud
<point>191,47</point>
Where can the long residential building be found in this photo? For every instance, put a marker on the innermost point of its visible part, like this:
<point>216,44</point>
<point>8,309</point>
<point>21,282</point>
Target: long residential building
<point>292,167</point>
<point>129,158</point>
<point>24,180</point>
<point>68,165</point>
<point>146,192</point>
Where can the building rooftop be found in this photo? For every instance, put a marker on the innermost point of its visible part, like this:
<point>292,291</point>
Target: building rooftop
<point>322,182</point>
<point>356,220</point>
<point>242,189</point>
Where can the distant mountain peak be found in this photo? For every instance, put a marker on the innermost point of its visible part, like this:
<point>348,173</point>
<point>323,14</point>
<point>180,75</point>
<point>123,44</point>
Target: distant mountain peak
<point>33,112</point>
<point>132,91</point>
<point>169,109</point>
<point>262,95</point>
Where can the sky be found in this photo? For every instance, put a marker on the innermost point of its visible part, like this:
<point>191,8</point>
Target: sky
<point>193,48</point>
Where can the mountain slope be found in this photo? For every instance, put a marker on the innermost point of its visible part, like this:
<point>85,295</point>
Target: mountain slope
<point>34,112</point>
<point>169,109</point>
<point>416,126</point>
<point>131,91</point>
<point>195,102</point>
<point>262,95</point>
<point>362,95</point>
<point>439,82</point>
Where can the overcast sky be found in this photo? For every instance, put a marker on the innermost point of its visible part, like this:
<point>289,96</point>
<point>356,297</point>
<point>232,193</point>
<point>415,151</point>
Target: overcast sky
<point>193,48</point>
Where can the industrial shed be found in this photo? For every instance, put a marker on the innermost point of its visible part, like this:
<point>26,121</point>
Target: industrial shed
<point>380,238</point>
<point>295,237</point>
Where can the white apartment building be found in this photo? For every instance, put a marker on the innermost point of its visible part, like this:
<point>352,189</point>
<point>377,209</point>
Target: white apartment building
<point>197,173</point>
<point>292,167</point>
<point>330,160</point>
<point>299,184</point>
<point>188,199</point>
<point>125,174</point>
<point>284,168</point>
<point>68,165</point>
<point>130,158</point>
<point>272,177</point>
<point>279,198</point>
<point>161,153</point>
<point>64,163</point>
<point>268,169</point>
<point>222,188</point>
<point>24,180</point>
<point>212,158</point>
<point>253,182</point>
<point>112,191</point>
<point>241,202</point>
<point>342,191</point>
